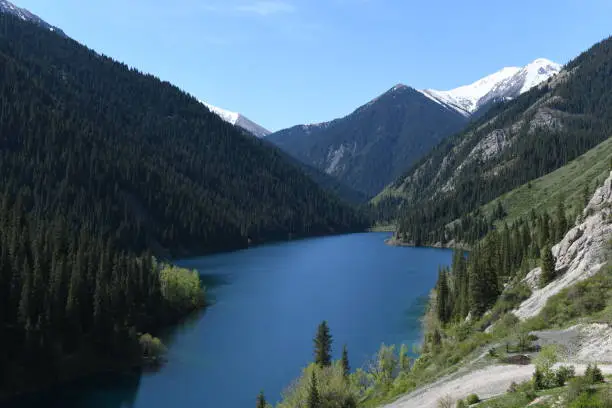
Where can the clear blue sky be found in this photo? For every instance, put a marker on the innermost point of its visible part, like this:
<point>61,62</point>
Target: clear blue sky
<point>285,62</point>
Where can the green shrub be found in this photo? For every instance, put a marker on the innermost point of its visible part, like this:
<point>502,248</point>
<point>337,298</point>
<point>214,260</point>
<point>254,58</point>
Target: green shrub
<point>530,395</point>
<point>586,400</point>
<point>152,347</point>
<point>445,402</point>
<point>593,374</point>
<point>506,325</point>
<point>463,331</point>
<point>546,358</point>
<point>583,299</point>
<point>577,386</point>
<point>472,399</point>
<point>512,297</point>
<point>513,387</point>
<point>461,404</point>
<point>181,287</point>
<point>564,374</point>
<point>538,379</point>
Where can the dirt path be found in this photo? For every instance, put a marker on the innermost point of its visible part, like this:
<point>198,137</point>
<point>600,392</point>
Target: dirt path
<point>486,383</point>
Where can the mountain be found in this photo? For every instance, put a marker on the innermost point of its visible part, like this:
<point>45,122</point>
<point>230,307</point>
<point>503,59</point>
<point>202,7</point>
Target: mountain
<point>377,142</point>
<point>505,84</point>
<point>188,179</point>
<point>513,143</point>
<point>25,15</point>
<point>102,166</point>
<point>239,120</point>
<point>374,145</point>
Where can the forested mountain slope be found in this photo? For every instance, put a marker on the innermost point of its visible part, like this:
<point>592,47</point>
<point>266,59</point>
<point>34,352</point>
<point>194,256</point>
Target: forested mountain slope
<point>99,164</point>
<point>128,154</point>
<point>377,142</point>
<point>512,144</point>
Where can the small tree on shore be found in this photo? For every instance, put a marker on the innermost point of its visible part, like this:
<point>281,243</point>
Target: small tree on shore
<point>261,400</point>
<point>346,367</point>
<point>322,345</point>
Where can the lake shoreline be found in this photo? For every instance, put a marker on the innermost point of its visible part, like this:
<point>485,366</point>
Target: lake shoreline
<point>187,254</point>
<point>393,241</point>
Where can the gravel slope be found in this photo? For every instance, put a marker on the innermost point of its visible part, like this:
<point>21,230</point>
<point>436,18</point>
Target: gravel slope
<point>486,383</point>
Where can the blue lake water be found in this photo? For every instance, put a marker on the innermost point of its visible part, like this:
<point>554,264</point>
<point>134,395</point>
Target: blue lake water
<point>258,333</point>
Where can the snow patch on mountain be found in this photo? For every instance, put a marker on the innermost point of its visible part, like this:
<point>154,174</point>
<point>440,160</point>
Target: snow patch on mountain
<point>504,84</point>
<point>228,116</point>
<point>9,8</point>
<point>237,119</point>
<point>465,98</point>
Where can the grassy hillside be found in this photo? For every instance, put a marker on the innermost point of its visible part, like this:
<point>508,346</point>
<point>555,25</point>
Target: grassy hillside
<point>564,184</point>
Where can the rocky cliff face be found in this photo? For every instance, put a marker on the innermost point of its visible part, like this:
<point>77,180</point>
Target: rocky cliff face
<point>580,254</point>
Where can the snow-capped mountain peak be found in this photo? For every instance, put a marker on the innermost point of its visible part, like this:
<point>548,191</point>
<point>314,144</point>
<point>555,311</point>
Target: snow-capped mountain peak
<point>237,119</point>
<point>9,8</point>
<point>537,72</point>
<point>465,98</point>
<point>506,83</point>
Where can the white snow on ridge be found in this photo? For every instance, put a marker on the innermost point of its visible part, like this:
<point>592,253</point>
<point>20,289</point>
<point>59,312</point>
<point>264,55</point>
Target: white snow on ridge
<point>537,72</point>
<point>506,83</point>
<point>9,8</point>
<point>465,98</point>
<point>228,116</point>
<point>237,119</point>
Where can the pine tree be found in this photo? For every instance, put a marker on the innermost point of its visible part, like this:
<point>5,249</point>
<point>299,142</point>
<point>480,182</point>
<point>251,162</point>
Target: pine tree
<point>548,267</point>
<point>261,400</point>
<point>442,297</point>
<point>477,285</point>
<point>346,367</point>
<point>404,360</point>
<point>24,301</point>
<point>322,345</point>
<point>561,226</point>
<point>538,379</point>
<point>585,195</point>
<point>544,230</point>
<point>314,399</point>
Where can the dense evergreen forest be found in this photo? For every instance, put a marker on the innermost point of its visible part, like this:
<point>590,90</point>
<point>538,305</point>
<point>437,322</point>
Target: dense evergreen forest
<point>447,184</point>
<point>474,283</point>
<point>101,167</point>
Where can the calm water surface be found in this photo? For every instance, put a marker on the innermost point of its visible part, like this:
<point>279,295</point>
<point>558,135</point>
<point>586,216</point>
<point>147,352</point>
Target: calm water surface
<point>258,334</point>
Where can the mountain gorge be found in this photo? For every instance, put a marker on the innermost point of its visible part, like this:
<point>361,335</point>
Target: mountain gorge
<point>374,145</point>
